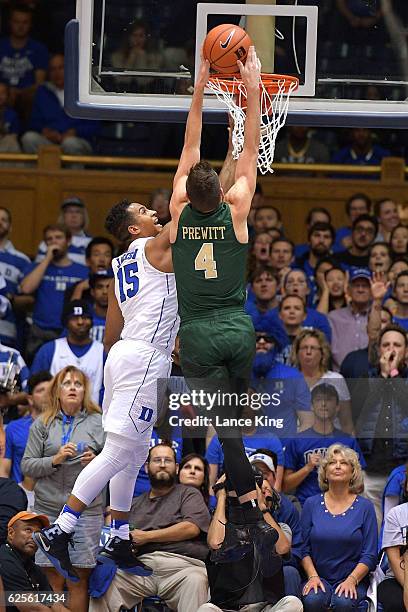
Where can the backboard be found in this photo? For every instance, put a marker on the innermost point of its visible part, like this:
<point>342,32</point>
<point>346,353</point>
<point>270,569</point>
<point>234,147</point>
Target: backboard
<point>136,59</point>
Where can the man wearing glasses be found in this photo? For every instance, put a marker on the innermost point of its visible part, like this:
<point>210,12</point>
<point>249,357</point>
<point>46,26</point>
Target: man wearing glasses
<point>172,521</point>
<point>363,233</point>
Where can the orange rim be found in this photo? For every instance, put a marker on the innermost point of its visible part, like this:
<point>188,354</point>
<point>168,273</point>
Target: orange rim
<point>273,83</point>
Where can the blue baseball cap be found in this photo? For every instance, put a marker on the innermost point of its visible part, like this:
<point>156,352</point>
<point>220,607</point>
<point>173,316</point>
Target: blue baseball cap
<point>360,273</point>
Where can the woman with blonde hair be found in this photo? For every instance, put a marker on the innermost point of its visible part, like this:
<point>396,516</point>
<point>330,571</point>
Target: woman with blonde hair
<point>62,441</point>
<point>340,535</point>
<point>311,355</point>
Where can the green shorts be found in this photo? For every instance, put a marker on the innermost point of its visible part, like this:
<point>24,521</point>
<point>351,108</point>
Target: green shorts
<point>221,346</point>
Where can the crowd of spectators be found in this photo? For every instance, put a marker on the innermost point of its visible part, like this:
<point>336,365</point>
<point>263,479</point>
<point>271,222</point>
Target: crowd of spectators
<point>331,455</point>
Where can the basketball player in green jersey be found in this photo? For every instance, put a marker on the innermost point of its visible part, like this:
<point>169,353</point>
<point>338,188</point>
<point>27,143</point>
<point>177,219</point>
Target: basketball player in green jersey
<point>209,236</point>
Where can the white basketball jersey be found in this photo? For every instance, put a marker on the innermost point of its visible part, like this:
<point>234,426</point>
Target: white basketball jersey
<point>147,299</point>
<point>91,363</point>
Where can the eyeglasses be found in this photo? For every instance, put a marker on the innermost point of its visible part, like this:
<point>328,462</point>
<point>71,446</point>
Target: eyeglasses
<point>67,384</point>
<point>364,230</point>
<point>265,338</point>
<point>159,460</point>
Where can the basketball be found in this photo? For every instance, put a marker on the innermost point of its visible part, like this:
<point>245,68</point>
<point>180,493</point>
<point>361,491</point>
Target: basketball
<point>224,45</point>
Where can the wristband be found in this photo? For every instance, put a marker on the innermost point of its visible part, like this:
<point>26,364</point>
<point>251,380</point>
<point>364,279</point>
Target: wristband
<point>394,372</point>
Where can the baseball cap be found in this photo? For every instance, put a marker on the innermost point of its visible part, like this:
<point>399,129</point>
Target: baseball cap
<point>101,274</point>
<point>29,516</point>
<point>76,308</point>
<point>263,459</point>
<point>360,273</point>
<point>72,201</point>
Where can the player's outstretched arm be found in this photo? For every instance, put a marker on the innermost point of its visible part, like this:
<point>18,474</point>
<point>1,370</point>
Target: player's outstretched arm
<point>114,320</point>
<point>191,149</point>
<point>241,193</point>
<point>227,174</point>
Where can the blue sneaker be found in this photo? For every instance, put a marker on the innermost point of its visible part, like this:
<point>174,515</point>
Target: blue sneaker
<point>54,544</point>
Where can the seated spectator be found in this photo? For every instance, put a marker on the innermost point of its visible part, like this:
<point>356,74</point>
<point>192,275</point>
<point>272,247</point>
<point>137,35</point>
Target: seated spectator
<point>263,289</point>
<point>358,204</point>
<point>13,267</point>
<point>299,147</point>
<point>399,265</point>
<point>253,438</point>
<point>322,266</point>
<point>142,484</point>
<point>352,318</point>
<point>74,217</point>
<point>239,585</point>
<point>304,453</point>
<point>388,217</point>
<point>49,123</point>
<point>391,591</point>
<point>266,218</point>
<point>317,214</point>
<point>62,441</point>
<point>381,427</point>
<point>338,555</point>
<point>399,241</point>
<point>292,313</point>
<point>98,258</point>
<point>49,280</point>
<point>265,461</point>
<point>159,201</point>
<point>12,500</point>
<point>23,61</point>
<point>78,347</point>
<point>400,299</point>
<point>12,369</point>
<point>334,287</point>
<point>395,490</point>
<point>99,288</point>
<point>170,518</point>
<point>194,471</point>
<point>361,151</point>
<point>363,234</point>
<point>18,571</point>
<point>320,237</point>
<point>9,124</point>
<point>311,356</point>
<point>282,256</point>
<point>260,253</point>
<point>379,259</point>
<point>269,375</point>
<point>17,431</point>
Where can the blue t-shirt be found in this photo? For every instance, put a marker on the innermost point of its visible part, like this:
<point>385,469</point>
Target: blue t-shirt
<point>49,297</point>
<point>313,318</point>
<point>394,487</point>
<point>400,321</point>
<point>98,328</point>
<point>337,544</point>
<point>298,450</point>
<point>143,483</point>
<point>293,395</point>
<point>16,440</point>
<point>215,454</point>
<point>288,514</point>
<point>18,66</point>
<point>14,265</point>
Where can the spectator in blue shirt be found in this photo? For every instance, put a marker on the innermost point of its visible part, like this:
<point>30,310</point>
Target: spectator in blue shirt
<point>99,288</point>
<point>98,258</point>
<point>317,214</point>
<point>321,238</point>
<point>286,386</point>
<point>23,61</point>
<point>282,257</point>
<point>361,151</point>
<point>48,280</point>
<point>340,535</point>
<point>77,348</point>
<point>386,211</point>
<point>363,233</point>
<point>50,124</point>
<point>395,489</point>
<point>304,453</point>
<point>263,293</point>
<point>73,216</point>
<point>17,431</point>
<point>9,124</point>
<point>356,205</point>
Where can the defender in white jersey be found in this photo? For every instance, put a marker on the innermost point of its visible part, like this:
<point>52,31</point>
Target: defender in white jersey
<point>141,326</point>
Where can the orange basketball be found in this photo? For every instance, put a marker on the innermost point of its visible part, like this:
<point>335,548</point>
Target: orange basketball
<point>224,45</point>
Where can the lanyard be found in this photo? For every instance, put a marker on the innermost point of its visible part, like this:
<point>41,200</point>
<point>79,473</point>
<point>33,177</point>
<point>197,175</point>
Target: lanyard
<point>66,434</point>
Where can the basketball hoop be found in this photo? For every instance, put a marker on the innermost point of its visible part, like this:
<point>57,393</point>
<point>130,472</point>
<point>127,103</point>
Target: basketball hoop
<point>275,91</point>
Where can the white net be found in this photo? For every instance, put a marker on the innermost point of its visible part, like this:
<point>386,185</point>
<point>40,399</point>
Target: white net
<point>274,110</point>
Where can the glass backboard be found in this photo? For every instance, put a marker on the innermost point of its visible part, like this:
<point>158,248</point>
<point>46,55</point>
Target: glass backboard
<point>136,59</point>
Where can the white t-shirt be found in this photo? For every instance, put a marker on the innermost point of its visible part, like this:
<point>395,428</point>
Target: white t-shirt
<point>395,529</point>
<point>337,380</point>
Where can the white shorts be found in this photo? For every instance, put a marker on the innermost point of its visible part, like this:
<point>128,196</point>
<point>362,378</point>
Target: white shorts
<point>132,371</point>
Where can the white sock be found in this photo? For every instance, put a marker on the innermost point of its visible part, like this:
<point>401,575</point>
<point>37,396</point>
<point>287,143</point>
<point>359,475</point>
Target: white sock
<point>67,519</point>
<point>120,529</point>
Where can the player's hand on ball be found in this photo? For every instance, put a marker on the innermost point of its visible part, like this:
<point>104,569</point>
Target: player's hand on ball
<point>251,70</point>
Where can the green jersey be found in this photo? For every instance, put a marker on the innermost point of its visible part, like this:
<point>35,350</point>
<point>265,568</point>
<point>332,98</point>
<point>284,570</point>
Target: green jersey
<point>209,263</point>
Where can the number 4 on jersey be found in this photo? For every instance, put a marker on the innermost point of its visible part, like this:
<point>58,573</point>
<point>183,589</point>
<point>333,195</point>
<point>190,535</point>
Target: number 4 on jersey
<point>205,261</point>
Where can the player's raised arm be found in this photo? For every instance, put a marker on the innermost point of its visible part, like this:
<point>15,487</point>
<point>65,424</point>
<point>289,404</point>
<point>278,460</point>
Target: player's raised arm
<point>241,193</point>
<point>192,141</point>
